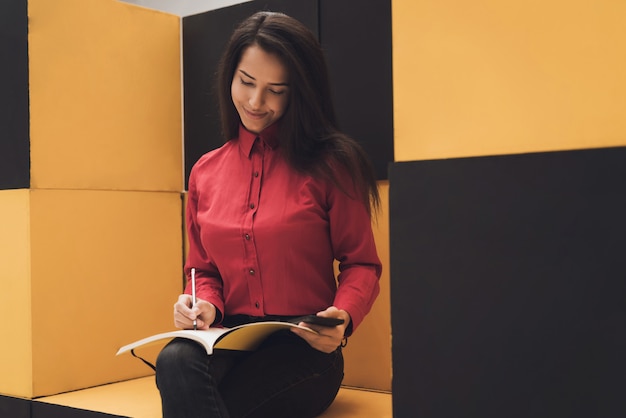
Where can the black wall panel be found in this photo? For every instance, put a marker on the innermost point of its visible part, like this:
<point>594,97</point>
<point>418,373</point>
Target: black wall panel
<point>14,407</point>
<point>14,114</point>
<point>45,410</point>
<point>508,285</point>
<point>11,407</point>
<point>357,38</point>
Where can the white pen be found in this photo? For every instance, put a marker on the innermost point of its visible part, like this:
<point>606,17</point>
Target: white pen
<point>193,294</point>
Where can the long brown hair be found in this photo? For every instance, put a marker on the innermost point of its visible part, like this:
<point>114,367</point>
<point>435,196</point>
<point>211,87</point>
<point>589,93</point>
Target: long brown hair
<point>309,135</point>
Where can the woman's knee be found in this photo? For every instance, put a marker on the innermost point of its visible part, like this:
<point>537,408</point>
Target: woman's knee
<point>178,355</point>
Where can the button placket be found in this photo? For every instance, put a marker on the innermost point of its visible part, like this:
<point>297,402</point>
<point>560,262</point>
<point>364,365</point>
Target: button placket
<point>254,190</point>
<point>253,278</point>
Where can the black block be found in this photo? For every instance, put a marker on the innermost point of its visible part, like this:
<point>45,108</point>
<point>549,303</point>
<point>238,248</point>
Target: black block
<point>356,36</point>
<point>14,407</point>
<point>508,286</point>
<point>46,410</point>
<point>14,112</point>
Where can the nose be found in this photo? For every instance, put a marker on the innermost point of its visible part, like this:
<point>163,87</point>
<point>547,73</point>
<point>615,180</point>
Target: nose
<point>256,99</point>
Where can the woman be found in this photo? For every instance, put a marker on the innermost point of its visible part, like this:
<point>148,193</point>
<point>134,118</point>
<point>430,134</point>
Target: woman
<point>267,215</point>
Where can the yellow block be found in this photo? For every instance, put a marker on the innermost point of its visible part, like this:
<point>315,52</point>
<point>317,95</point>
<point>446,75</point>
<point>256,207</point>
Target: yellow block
<point>368,353</point>
<point>15,302</point>
<point>139,398</point>
<point>495,77</point>
<point>105,96</point>
<point>106,271</point>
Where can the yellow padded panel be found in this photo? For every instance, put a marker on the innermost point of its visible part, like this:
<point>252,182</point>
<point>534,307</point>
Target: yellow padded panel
<point>15,304</point>
<point>368,353</point>
<point>495,77</point>
<point>139,398</point>
<point>106,271</point>
<point>354,403</point>
<point>105,96</point>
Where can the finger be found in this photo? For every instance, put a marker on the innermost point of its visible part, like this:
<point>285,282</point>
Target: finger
<point>320,343</point>
<point>184,320</point>
<point>323,338</point>
<point>330,312</point>
<point>183,311</point>
<point>186,306</point>
<point>185,300</point>
<point>206,311</point>
<point>309,326</point>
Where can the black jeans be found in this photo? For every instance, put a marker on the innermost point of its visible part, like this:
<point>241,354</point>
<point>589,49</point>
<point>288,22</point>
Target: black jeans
<point>284,377</point>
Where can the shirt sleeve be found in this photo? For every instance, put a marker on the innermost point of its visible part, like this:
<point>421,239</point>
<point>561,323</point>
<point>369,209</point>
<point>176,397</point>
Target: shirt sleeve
<point>209,286</point>
<point>354,247</point>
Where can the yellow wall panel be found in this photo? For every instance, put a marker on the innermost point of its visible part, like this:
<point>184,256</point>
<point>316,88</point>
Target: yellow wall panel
<point>106,271</point>
<point>368,353</point>
<point>105,96</point>
<point>496,77</point>
<point>15,303</point>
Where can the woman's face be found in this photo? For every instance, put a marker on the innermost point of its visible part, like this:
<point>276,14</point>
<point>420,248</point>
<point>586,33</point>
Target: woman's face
<point>259,89</point>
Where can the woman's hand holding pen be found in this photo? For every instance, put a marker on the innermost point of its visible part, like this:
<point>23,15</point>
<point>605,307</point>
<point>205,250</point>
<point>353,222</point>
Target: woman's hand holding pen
<point>185,312</point>
<point>327,339</point>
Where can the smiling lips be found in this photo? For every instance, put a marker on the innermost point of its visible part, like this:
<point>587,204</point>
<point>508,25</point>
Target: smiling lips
<point>255,115</point>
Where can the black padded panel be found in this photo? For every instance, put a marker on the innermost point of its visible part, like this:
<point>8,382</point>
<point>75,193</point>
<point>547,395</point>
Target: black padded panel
<point>11,407</point>
<point>14,113</point>
<point>508,285</point>
<point>14,407</point>
<point>46,410</point>
<point>356,36</point>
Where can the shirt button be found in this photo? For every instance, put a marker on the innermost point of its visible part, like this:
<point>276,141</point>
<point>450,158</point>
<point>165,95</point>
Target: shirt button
<point>256,174</point>
<point>251,205</point>
<point>247,237</point>
<point>251,272</point>
<point>257,304</point>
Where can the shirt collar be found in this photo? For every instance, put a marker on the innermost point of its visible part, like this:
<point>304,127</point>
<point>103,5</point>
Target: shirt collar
<point>269,136</point>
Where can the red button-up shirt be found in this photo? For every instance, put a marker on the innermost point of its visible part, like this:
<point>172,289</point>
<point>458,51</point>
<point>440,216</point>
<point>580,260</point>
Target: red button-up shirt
<point>263,237</point>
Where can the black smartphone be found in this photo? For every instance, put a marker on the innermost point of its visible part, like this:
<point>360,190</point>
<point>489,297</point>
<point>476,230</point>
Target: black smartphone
<point>318,320</point>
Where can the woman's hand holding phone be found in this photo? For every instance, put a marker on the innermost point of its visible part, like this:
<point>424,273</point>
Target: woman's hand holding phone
<point>328,336</point>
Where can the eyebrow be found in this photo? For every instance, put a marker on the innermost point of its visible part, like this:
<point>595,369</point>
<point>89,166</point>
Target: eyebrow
<point>272,84</point>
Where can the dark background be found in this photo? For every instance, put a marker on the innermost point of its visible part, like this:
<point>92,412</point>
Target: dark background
<point>508,286</point>
<point>14,113</point>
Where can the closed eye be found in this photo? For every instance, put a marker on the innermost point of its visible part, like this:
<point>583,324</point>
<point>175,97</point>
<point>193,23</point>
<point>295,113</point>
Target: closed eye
<point>271,90</point>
